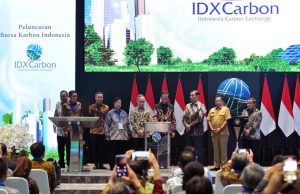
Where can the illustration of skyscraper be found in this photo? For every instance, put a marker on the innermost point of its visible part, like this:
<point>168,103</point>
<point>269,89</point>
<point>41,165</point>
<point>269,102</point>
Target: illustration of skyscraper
<point>122,21</point>
<point>140,7</point>
<point>97,16</point>
<point>47,132</point>
<point>87,12</point>
<point>145,29</point>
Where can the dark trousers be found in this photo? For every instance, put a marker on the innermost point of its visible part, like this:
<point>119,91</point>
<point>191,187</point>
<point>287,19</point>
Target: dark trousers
<point>138,144</point>
<point>197,143</point>
<point>62,143</point>
<point>98,144</point>
<point>255,146</point>
<point>116,147</point>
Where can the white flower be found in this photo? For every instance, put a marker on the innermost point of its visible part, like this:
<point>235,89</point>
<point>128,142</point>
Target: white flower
<point>16,137</point>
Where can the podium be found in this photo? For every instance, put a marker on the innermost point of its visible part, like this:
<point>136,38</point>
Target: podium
<point>157,137</point>
<point>239,123</point>
<point>75,125</point>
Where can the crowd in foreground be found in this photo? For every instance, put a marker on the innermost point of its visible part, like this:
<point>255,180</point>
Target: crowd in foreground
<point>23,166</point>
<point>191,177</point>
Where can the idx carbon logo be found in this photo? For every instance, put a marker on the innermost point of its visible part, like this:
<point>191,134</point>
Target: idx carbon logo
<point>34,63</point>
<point>231,8</point>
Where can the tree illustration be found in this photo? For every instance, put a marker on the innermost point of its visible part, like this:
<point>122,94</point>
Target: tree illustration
<point>224,56</point>
<point>138,52</point>
<point>95,52</point>
<point>164,55</point>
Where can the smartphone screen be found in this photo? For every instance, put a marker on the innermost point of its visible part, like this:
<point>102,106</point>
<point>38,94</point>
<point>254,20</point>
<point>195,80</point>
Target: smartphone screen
<point>243,151</point>
<point>290,167</point>
<point>121,165</point>
<point>140,155</point>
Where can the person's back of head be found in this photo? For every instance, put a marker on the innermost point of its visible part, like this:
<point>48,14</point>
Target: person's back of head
<point>239,162</point>
<point>198,185</point>
<point>252,175</point>
<point>192,169</point>
<point>37,151</point>
<point>119,188</point>
<point>137,166</point>
<point>185,158</point>
<point>3,170</point>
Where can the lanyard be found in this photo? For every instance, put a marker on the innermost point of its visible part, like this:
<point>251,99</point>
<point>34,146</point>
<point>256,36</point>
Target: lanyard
<point>119,116</point>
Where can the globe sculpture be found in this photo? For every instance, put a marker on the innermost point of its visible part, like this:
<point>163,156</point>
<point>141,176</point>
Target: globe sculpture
<point>34,51</point>
<point>156,137</point>
<point>235,93</point>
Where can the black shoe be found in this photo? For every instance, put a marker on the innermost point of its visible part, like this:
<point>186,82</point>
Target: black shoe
<point>101,167</point>
<point>214,169</point>
<point>111,166</point>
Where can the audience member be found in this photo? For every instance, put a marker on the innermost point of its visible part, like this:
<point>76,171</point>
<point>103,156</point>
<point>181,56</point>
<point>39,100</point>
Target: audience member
<point>130,179</point>
<point>23,170</point>
<point>38,152</point>
<point>190,170</point>
<point>11,164</point>
<point>119,188</point>
<point>251,176</point>
<point>184,158</point>
<point>198,185</point>
<point>231,171</point>
<point>3,176</point>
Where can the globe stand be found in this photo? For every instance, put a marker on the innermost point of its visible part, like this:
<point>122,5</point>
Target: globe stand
<point>157,138</point>
<point>238,126</point>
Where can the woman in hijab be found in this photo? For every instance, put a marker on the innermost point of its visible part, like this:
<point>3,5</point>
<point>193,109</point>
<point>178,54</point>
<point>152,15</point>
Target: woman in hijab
<point>23,169</point>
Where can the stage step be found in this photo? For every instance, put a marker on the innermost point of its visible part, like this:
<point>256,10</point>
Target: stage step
<point>97,176</point>
<point>79,188</point>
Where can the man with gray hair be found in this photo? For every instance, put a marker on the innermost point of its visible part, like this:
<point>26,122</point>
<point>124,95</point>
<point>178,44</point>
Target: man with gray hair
<point>251,176</point>
<point>138,118</point>
<point>231,171</point>
<point>119,188</point>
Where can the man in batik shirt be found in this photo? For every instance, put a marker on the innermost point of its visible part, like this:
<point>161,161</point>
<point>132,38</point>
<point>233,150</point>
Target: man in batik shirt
<point>70,109</point>
<point>97,137</point>
<point>194,113</point>
<point>138,118</point>
<point>251,134</point>
<point>164,112</point>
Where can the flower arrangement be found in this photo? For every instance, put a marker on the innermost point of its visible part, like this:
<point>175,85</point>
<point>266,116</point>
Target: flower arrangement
<point>17,139</point>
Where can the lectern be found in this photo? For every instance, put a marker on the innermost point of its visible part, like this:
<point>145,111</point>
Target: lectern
<point>157,137</point>
<point>75,125</point>
<point>238,125</point>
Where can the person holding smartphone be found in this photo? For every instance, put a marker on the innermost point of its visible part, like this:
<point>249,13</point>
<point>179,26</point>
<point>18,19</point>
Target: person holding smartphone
<point>130,179</point>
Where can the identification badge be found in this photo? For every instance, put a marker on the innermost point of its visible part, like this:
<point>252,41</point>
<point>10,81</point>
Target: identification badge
<point>121,126</point>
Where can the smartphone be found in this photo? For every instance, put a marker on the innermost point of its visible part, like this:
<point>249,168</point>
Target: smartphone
<point>121,161</point>
<point>290,167</point>
<point>243,151</point>
<point>140,155</point>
